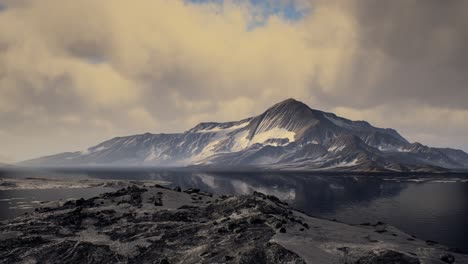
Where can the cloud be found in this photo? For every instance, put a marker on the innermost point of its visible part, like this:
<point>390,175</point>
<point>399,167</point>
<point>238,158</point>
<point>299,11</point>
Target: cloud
<point>5,159</point>
<point>439,127</point>
<point>409,52</point>
<point>73,73</point>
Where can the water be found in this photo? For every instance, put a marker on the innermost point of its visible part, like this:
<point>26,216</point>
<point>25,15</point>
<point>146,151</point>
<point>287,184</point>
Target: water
<point>429,207</point>
<point>16,202</point>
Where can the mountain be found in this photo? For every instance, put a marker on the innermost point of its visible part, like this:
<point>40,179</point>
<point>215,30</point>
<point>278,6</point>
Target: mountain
<point>289,136</point>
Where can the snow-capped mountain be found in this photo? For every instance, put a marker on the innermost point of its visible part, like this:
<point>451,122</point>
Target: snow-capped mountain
<point>288,135</point>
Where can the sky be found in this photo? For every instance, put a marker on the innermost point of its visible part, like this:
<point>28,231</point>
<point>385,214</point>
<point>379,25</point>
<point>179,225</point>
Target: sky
<point>75,73</point>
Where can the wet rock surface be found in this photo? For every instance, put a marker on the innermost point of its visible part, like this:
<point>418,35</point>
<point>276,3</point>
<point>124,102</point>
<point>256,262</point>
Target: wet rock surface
<point>154,224</point>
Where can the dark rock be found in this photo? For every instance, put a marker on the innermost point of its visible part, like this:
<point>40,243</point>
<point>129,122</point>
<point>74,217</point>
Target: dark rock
<point>20,245</point>
<point>183,216</point>
<point>222,230</point>
<point>275,200</point>
<point>447,258</point>
<point>208,254</point>
<point>161,187</point>
<point>83,202</point>
<point>164,261</point>
<point>345,250</point>
<point>259,194</point>
<point>256,221</point>
<point>76,252</point>
<point>177,189</point>
<point>164,235</point>
<point>387,257</point>
<point>269,253</point>
<point>69,204</point>
<point>192,190</point>
<point>232,226</point>
<point>157,200</point>
<point>205,194</point>
<point>239,230</point>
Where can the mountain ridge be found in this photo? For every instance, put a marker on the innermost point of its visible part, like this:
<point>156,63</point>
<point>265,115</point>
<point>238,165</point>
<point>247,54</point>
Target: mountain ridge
<point>288,135</point>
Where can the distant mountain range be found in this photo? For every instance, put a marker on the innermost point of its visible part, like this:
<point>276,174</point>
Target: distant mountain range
<point>287,136</point>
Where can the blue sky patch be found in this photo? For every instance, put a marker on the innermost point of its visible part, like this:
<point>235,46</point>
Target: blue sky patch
<point>288,10</point>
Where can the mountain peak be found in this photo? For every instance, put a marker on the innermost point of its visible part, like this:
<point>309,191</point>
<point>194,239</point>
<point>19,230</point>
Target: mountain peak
<point>291,106</point>
<point>288,135</point>
<point>290,102</point>
<point>289,115</point>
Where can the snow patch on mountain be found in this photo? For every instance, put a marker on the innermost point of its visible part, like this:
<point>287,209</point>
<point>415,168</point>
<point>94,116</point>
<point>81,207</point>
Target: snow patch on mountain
<point>154,154</point>
<point>275,133</point>
<point>223,129</point>
<point>336,148</point>
<point>92,150</point>
<point>241,141</point>
<point>343,164</point>
<point>206,152</point>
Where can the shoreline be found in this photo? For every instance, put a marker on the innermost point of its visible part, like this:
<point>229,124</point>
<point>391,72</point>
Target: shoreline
<point>224,170</point>
<point>143,219</point>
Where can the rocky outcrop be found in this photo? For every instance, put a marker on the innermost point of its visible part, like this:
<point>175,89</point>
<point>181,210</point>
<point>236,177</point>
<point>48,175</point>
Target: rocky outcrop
<point>154,224</point>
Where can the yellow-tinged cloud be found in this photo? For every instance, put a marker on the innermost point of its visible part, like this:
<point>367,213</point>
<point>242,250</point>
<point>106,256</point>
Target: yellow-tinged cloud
<point>160,45</point>
<point>166,65</point>
<point>141,117</point>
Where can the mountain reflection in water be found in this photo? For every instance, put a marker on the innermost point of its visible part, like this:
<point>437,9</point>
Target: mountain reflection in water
<point>428,206</point>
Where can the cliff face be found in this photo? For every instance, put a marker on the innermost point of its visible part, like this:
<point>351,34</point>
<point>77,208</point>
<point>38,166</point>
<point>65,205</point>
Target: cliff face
<point>158,225</point>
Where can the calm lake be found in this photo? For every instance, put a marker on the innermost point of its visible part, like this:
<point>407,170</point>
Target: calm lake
<point>430,207</point>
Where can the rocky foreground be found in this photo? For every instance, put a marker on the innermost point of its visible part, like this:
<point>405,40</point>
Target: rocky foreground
<point>153,224</point>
